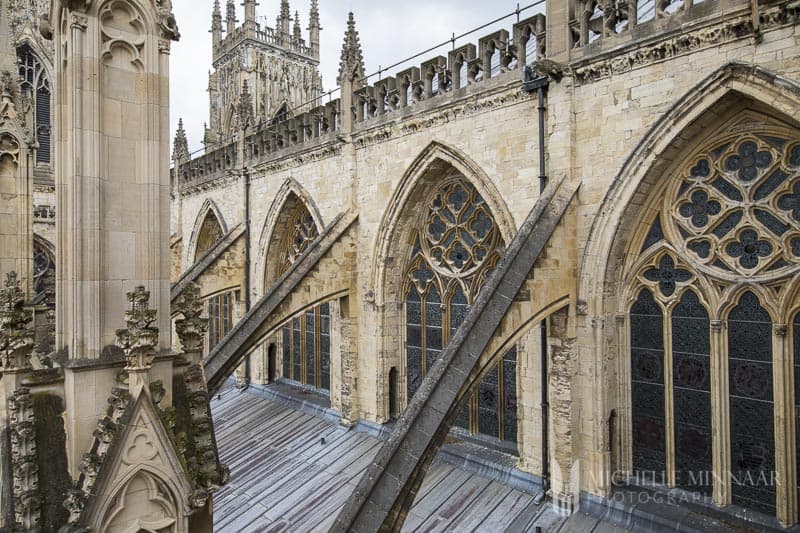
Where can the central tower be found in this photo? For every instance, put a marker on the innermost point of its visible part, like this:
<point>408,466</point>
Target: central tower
<point>260,73</point>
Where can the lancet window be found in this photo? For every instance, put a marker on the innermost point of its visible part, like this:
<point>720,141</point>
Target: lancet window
<point>36,88</point>
<point>210,234</point>
<point>456,245</point>
<point>715,270</point>
<point>306,341</point>
<point>220,317</point>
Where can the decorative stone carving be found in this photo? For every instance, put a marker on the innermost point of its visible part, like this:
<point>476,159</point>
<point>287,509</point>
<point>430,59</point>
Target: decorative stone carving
<point>140,338</point>
<point>204,467</point>
<point>351,65</point>
<point>104,436</point>
<point>27,505</point>
<point>192,327</point>
<point>16,332</point>
<point>180,147</point>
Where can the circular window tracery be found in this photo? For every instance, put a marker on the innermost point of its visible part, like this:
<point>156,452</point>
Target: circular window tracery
<point>735,209</point>
<point>458,242</point>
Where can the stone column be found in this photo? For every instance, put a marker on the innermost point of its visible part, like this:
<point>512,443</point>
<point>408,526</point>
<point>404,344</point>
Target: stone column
<point>558,31</point>
<point>112,170</point>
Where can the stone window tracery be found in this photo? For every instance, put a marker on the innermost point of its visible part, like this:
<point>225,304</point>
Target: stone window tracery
<point>720,251</point>
<point>456,244</point>
<point>36,86</point>
<point>301,233</point>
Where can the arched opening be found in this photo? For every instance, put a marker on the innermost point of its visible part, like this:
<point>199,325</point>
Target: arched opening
<point>456,243</point>
<point>35,85</point>
<point>210,233</point>
<point>711,264</point>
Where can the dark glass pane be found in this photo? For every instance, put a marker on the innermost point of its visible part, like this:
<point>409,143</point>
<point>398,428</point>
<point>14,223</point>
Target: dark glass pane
<point>433,338</point>
<point>414,370</point>
<point>325,346</point>
<point>728,224</point>
<point>462,420</point>
<point>311,366</point>
<point>647,384</point>
<point>796,336</point>
<point>433,308</point>
<point>773,224</point>
<point>488,404</point>
<point>296,350</point>
<point>510,396</point>
<point>431,356</point>
<point>656,234</point>
<point>287,351</point>
<point>691,346</point>
<point>770,184</point>
<point>413,313</point>
<point>751,405</point>
<point>414,336</point>
<point>458,310</point>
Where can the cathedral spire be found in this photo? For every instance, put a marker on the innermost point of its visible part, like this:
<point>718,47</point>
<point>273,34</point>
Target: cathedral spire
<point>351,66</point>
<point>314,29</point>
<point>231,17</point>
<point>180,147</point>
<point>298,35</point>
<point>284,21</point>
<point>216,24</point>
<point>250,11</point>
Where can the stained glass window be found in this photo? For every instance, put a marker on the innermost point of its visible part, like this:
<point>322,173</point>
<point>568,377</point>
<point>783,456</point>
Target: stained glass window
<point>647,384</point>
<point>220,317</point>
<point>456,244</point>
<point>751,404</point>
<point>691,389</point>
<point>35,85</point>
<point>729,215</point>
<point>796,337</point>
<point>306,341</point>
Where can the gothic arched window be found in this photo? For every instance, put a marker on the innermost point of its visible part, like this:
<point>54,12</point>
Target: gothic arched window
<point>456,244</point>
<point>36,87</point>
<point>721,250</point>
<point>210,233</point>
<point>44,270</point>
<point>306,339</point>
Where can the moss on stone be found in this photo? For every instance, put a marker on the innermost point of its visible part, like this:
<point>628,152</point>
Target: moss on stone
<point>51,446</point>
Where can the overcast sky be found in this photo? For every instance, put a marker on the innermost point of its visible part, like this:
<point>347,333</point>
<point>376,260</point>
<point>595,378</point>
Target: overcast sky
<point>389,33</point>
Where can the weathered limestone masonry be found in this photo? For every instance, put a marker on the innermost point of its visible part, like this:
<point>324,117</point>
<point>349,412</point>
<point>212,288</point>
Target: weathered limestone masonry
<point>641,96</point>
<point>111,431</point>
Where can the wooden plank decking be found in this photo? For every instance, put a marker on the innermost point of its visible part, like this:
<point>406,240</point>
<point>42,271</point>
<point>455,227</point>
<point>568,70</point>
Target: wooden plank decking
<point>291,471</point>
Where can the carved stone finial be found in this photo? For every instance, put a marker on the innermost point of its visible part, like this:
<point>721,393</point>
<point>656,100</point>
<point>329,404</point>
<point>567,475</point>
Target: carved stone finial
<point>192,327</point>
<point>298,32</point>
<point>16,334</point>
<point>351,65</point>
<point>140,338</point>
<point>180,147</point>
<point>27,505</point>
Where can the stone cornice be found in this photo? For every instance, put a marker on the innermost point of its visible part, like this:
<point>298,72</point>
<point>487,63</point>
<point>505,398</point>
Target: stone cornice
<point>680,41</point>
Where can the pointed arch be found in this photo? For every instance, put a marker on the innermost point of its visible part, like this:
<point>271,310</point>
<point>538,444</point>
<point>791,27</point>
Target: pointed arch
<point>435,160</point>
<point>290,198</point>
<point>208,216</point>
<point>719,92</point>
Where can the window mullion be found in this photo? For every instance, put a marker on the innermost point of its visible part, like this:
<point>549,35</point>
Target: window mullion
<point>669,402</point>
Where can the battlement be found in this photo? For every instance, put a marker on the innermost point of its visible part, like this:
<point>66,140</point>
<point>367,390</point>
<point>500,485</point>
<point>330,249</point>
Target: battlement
<point>601,43</point>
<point>261,35</point>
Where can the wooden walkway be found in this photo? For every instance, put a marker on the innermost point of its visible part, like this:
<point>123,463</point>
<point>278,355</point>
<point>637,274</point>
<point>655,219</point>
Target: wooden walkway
<point>291,471</point>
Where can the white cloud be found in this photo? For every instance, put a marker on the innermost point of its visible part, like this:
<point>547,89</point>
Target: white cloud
<point>389,33</point>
